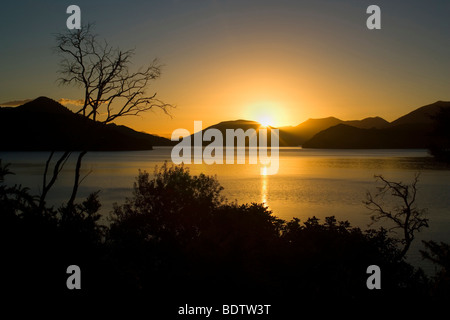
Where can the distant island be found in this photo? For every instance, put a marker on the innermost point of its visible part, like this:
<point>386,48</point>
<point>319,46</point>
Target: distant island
<point>43,124</point>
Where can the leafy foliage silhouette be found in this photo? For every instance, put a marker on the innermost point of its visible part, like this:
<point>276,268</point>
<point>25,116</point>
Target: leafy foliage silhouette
<point>39,242</point>
<point>178,237</point>
<point>189,235</point>
<point>439,253</point>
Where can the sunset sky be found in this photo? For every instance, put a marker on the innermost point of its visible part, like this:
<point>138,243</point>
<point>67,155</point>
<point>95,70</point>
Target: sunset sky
<point>285,61</point>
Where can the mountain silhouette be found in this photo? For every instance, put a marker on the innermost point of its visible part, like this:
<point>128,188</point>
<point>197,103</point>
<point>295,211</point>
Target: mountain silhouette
<point>43,124</point>
<point>236,124</point>
<point>412,130</point>
<point>294,136</point>
<point>233,125</point>
<point>422,115</point>
<point>368,123</point>
<point>297,135</point>
<point>409,131</point>
<point>344,136</point>
<point>301,133</point>
<point>44,105</point>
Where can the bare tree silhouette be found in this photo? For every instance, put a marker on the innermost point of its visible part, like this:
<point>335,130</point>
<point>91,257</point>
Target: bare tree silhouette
<point>104,74</point>
<point>111,89</point>
<point>406,216</point>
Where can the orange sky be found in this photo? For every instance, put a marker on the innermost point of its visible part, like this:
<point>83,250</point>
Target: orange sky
<point>286,61</point>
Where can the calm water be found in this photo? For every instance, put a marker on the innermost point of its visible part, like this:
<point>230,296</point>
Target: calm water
<point>309,182</point>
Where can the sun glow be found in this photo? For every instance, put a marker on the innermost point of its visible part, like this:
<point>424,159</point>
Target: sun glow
<point>268,114</point>
<point>265,121</point>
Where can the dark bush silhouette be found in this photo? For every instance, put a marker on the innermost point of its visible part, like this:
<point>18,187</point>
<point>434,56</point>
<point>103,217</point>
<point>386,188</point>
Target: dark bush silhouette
<point>4,171</point>
<point>176,239</point>
<point>439,253</point>
<point>38,244</point>
<point>181,233</point>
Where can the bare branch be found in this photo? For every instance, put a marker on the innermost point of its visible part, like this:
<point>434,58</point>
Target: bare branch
<point>111,88</point>
<point>56,170</point>
<point>405,216</point>
<point>105,74</point>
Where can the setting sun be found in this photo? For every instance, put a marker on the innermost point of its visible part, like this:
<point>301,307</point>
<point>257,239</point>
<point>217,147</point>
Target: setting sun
<point>266,113</point>
<point>265,121</point>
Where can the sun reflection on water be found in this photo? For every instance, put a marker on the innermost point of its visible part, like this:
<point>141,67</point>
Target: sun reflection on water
<point>264,187</point>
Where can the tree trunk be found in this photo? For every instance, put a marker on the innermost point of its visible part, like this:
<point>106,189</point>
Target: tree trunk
<point>77,179</point>
<point>56,170</point>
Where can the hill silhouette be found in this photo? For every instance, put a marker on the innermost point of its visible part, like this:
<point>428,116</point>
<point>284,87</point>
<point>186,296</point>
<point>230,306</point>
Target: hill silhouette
<point>298,135</point>
<point>304,131</point>
<point>43,124</point>
<point>412,130</point>
<point>422,115</point>
<point>295,136</point>
<point>347,137</point>
<point>234,125</point>
<point>368,123</point>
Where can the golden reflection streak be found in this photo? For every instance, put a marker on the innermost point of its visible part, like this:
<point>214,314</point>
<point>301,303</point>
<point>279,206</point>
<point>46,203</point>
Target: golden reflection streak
<point>264,186</point>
